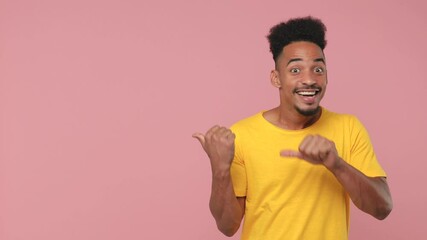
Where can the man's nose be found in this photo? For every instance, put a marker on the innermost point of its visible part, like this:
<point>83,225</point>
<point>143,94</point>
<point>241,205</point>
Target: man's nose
<point>309,79</point>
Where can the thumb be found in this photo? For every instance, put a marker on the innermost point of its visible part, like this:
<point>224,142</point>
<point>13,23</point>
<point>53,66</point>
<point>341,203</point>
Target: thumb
<point>200,137</point>
<point>290,153</point>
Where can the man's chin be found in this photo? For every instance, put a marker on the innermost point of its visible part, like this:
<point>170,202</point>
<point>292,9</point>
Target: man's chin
<point>308,112</point>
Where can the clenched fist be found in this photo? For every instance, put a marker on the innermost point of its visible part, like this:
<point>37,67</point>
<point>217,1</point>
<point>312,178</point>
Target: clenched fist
<point>317,150</point>
<point>218,143</point>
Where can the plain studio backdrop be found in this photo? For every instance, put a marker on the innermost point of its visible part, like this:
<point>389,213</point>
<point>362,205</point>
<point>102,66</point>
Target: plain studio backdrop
<point>99,99</point>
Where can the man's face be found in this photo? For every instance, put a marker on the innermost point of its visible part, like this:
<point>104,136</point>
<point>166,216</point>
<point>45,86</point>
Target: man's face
<point>301,77</point>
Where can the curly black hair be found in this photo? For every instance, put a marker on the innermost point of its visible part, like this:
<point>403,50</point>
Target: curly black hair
<point>297,29</point>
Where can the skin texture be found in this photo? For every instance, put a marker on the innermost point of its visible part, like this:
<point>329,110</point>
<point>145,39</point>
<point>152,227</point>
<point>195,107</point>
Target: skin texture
<point>301,68</point>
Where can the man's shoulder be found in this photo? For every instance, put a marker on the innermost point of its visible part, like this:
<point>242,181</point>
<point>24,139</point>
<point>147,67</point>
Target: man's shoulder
<point>248,122</point>
<point>335,118</point>
<point>330,116</point>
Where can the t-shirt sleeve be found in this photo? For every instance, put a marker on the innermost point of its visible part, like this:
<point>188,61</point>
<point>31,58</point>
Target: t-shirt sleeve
<point>238,169</point>
<point>362,153</point>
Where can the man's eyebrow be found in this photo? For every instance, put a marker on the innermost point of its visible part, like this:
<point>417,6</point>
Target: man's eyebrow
<point>319,60</point>
<point>294,60</point>
<point>300,59</point>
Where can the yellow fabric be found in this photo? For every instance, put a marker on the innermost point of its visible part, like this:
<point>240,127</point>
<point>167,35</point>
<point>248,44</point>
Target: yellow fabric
<point>289,198</point>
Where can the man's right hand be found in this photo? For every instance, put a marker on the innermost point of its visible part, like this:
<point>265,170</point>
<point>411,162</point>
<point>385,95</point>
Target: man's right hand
<point>227,209</point>
<point>218,143</point>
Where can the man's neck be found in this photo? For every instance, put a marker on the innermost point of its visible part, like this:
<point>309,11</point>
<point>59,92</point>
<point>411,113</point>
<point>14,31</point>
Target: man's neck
<point>290,120</point>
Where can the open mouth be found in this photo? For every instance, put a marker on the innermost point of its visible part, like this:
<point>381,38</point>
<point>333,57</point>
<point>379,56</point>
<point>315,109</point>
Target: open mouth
<point>308,96</point>
<point>307,92</point>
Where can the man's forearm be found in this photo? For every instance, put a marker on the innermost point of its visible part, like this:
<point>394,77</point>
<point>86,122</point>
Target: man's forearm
<point>369,194</point>
<point>225,207</point>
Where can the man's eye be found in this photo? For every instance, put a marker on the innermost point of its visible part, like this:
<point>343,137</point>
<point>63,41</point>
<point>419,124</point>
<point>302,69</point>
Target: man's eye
<point>318,70</point>
<point>295,70</point>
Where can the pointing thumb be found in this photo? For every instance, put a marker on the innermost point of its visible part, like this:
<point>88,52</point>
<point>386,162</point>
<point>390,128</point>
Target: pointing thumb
<point>200,137</point>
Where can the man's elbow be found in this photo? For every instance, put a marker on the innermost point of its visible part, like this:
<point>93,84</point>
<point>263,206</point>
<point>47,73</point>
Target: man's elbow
<point>384,210</point>
<point>229,231</point>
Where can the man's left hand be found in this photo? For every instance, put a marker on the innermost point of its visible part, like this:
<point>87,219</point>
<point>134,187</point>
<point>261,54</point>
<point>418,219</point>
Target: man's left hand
<point>316,150</point>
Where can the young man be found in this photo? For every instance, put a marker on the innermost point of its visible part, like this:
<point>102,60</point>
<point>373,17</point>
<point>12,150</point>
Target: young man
<point>291,170</point>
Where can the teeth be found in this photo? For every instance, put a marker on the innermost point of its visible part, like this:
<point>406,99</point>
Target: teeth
<point>307,93</point>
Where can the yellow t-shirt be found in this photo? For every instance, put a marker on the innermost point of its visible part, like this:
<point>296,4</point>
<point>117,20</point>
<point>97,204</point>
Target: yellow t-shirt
<point>289,198</point>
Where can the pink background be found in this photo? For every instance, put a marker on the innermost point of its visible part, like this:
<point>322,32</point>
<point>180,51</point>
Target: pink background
<point>99,98</point>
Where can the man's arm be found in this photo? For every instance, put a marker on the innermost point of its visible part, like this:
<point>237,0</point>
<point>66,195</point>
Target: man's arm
<point>226,208</point>
<point>369,194</point>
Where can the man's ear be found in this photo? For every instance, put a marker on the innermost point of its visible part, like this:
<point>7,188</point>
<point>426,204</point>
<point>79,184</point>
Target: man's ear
<point>274,78</point>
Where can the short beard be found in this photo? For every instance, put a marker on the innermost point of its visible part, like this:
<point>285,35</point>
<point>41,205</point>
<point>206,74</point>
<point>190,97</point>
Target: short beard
<point>308,113</point>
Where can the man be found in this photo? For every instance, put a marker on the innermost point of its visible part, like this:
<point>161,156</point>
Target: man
<point>291,170</point>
